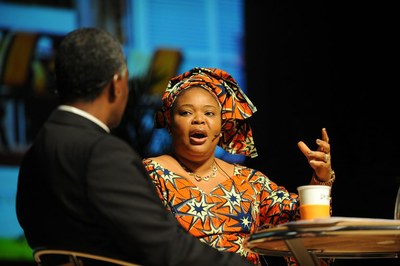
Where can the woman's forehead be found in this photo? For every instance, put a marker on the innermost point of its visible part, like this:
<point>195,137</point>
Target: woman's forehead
<point>196,92</point>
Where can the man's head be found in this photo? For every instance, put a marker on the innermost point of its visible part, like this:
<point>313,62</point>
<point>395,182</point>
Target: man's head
<point>86,60</point>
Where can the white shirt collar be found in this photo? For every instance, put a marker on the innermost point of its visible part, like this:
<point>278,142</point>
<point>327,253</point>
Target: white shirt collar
<point>80,112</point>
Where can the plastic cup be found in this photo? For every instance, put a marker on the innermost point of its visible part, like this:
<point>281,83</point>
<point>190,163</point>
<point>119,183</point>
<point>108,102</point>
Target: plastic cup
<point>397,206</point>
<point>314,201</point>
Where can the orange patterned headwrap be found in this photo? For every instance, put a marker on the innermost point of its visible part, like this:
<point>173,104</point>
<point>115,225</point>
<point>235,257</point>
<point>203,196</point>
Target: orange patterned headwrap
<point>236,108</point>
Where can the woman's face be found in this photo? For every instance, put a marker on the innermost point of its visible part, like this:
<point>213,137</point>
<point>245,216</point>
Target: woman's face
<point>195,123</point>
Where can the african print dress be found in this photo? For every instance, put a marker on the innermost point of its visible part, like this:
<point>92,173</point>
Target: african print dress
<point>235,208</point>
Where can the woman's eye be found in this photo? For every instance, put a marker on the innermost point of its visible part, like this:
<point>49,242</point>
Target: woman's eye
<point>184,113</point>
<point>210,114</point>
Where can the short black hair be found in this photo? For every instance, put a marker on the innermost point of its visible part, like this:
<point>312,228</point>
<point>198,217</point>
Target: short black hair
<point>86,59</point>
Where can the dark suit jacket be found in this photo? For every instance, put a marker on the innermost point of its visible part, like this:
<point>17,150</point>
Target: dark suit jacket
<point>84,189</point>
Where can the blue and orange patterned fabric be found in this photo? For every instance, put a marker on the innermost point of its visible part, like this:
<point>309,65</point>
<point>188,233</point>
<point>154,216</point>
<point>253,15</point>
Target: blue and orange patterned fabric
<point>235,208</point>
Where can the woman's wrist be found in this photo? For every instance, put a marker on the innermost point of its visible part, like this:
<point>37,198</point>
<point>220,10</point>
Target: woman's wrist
<point>324,183</point>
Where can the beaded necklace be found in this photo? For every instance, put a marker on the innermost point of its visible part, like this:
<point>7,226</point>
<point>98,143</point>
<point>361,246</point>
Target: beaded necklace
<point>198,178</point>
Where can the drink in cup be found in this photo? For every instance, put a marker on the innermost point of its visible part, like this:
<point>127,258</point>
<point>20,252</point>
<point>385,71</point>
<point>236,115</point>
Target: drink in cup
<point>314,201</point>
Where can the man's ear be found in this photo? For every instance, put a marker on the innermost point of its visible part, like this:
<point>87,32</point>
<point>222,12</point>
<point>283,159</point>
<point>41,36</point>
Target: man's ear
<point>114,89</point>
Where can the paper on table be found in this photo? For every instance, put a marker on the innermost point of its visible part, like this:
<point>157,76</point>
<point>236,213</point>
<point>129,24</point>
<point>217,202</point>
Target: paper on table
<point>343,221</point>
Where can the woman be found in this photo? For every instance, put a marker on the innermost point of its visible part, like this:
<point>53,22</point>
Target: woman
<point>219,202</point>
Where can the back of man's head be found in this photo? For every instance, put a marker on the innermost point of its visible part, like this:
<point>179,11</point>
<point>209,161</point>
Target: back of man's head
<point>85,61</point>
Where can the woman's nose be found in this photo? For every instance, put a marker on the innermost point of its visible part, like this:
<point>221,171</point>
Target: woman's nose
<point>198,119</point>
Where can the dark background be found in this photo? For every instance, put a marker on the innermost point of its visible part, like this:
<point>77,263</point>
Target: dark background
<point>314,64</point>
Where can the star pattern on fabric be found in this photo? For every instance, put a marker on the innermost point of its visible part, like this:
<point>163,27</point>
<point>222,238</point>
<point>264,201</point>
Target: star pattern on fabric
<point>215,230</point>
<point>241,250</point>
<point>232,197</point>
<point>224,217</point>
<point>199,209</point>
<point>279,196</point>
<point>170,177</point>
<point>214,235</point>
<point>243,219</point>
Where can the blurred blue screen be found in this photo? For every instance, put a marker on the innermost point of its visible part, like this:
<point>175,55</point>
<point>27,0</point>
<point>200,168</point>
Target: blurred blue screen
<point>13,245</point>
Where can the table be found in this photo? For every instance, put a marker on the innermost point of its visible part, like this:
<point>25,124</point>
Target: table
<point>335,237</point>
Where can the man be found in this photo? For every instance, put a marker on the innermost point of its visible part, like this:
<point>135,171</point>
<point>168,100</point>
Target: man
<point>80,187</point>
